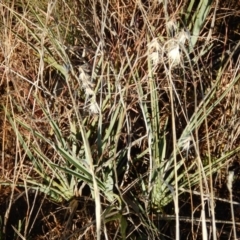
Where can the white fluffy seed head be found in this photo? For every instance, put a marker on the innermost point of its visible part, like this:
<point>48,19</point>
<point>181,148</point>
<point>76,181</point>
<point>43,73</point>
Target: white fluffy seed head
<point>230,180</point>
<point>182,37</point>
<point>173,52</point>
<point>171,27</point>
<point>94,109</point>
<point>154,51</point>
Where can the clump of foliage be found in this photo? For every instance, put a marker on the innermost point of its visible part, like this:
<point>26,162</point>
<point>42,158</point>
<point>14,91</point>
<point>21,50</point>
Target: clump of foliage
<point>117,115</point>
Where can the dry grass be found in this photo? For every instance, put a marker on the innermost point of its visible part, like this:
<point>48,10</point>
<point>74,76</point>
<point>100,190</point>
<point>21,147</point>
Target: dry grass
<point>120,120</point>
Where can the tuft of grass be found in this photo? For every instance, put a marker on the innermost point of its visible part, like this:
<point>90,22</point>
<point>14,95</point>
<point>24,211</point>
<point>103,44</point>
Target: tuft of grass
<point>119,118</point>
